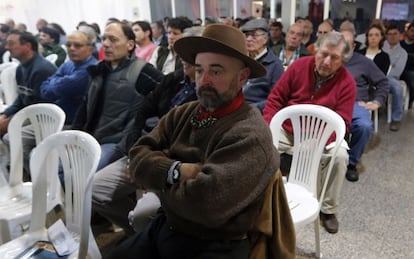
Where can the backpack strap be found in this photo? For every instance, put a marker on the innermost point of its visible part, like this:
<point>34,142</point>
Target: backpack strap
<point>134,70</point>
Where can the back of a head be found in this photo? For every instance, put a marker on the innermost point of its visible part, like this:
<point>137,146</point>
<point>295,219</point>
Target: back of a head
<point>347,26</point>
<point>193,31</point>
<point>4,28</point>
<point>180,23</point>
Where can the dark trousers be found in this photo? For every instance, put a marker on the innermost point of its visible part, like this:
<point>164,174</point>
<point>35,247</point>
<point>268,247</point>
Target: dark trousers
<point>158,241</point>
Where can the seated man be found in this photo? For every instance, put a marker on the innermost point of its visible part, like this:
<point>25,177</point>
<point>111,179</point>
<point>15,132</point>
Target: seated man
<point>112,186</point>
<point>69,84</point>
<point>30,74</point>
<point>372,91</point>
<point>293,47</point>
<point>49,39</point>
<point>208,161</point>
<point>321,80</point>
<point>256,90</point>
<point>116,88</point>
<point>164,58</point>
<point>398,57</point>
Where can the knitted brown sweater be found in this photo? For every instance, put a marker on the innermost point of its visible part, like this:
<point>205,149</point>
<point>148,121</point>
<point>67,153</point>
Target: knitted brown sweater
<point>238,161</point>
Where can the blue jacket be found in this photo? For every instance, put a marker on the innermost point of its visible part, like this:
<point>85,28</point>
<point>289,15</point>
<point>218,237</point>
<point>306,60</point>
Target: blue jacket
<point>256,90</point>
<point>67,86</point>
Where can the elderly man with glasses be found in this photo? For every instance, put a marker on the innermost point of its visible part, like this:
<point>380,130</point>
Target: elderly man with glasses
<point>256,90</point>
<point>68,85</point>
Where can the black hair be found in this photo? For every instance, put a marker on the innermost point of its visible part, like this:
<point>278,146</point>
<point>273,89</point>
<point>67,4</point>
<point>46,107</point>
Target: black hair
<point>180,23</point>
<point>145,26</point>
<point>4,28</point>
<point>26,37</point>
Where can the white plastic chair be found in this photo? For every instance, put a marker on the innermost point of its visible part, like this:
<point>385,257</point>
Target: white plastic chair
<point>312,127</point>
<point>16,197</point>
<point>52,58</point>
<point>6,56</point>
<point>79,154</point>
<point>8,83</point>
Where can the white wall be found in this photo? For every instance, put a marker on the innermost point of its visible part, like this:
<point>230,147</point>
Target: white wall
<point>68,13</point>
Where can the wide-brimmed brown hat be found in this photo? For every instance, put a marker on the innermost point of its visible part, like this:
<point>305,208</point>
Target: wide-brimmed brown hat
<point>219,38</point>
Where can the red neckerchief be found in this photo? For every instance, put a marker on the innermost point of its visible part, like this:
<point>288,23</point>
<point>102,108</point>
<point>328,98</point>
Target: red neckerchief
<point>203,118</point>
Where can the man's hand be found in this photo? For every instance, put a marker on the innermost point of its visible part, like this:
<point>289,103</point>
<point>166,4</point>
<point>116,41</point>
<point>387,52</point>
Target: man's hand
<point>189,171</point>
<point>4,123</point>
<point>371,106</point>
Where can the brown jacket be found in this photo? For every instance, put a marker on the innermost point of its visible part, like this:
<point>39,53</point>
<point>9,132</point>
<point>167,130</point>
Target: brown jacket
<point>274,233</point>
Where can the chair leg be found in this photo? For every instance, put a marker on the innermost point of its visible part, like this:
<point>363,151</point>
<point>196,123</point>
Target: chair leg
<point>317,239</point>
<point>389,108</point>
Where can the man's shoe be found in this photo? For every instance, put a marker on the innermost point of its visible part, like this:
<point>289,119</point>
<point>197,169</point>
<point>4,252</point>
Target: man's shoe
<point>395,125</point>
<point>329,222</point>
<point>352,174</point>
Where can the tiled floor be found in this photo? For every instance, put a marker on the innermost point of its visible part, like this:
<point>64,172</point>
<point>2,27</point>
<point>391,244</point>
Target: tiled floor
<point>376,214</point>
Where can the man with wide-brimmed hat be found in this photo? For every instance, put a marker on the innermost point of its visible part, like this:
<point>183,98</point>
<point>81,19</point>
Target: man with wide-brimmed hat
<point>210,161</point>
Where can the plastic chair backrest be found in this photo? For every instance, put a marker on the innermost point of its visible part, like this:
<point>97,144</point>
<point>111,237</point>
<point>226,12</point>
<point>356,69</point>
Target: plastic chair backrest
<point>52,58</point>
<point>6,56</point>
<point>9,83</point>
<point>79,154</point>
<point>46,119</point>
<point>312,127</point>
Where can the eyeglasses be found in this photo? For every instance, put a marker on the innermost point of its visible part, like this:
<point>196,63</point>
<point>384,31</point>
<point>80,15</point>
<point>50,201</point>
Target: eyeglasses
<point>76,45</point>
<point>253,34</point>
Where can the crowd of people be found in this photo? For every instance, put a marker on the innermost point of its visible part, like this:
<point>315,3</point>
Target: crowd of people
<point>181,110</point>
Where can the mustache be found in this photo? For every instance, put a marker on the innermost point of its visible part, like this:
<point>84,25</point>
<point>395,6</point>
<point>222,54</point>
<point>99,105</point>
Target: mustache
<point>206,88</point>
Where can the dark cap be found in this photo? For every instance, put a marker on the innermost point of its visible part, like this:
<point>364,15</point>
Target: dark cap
<point>255,24</point>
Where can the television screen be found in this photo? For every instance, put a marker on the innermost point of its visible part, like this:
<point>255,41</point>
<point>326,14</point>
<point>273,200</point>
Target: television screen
<point>394,11</point>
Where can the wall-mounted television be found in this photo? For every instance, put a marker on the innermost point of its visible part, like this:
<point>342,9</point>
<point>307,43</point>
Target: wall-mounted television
<point>394,11</point>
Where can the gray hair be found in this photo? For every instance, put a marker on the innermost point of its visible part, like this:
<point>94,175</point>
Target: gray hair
<point>347,26</point>
<point>193,31</point>
<point>89,32</point>
<point>334,39</point>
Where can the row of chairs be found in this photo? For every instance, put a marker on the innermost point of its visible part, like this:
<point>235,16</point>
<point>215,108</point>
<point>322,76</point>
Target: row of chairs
<point>24,205</point>
<point>79,155</point>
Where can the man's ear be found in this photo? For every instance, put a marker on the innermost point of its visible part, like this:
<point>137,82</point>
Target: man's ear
<point>244,74</point>
<point>131,44</point>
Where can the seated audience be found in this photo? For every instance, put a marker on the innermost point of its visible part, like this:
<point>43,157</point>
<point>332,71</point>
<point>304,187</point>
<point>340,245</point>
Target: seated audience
<point>293,47</point>
<point>69,84</point>
<point>117,86</point>
<point>143,39</point>
<point>192,158</point>
<point>159,35</point>
<point>321,80</point>
<point>112,186</point>
<point>49,39</point>
<point>32,71</point>
<point>256,90</point>
<point>164,58</point>
<point>372,91</point>
<point>398,58</point>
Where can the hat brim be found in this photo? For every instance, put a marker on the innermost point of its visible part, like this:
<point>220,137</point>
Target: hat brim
<point>188,47</point>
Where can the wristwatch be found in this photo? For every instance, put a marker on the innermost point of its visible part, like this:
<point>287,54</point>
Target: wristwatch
<point>173,174</point>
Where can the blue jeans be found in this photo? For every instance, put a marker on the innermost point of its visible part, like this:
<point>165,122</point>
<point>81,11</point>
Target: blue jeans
<point>109,153</point>
<point>361,127</point>
<point>397,99</point>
